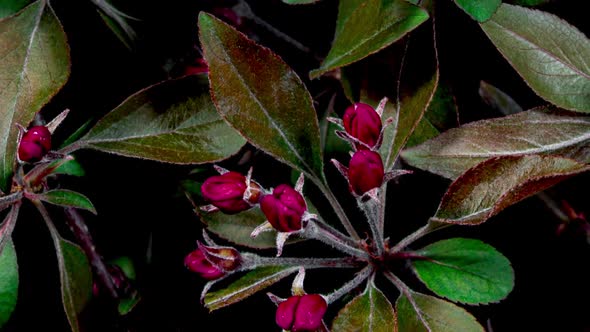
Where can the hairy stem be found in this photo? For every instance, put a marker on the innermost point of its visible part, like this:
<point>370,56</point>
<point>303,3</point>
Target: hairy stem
<point>10,199</point>
<point>372,210</point>
<point>7,226</point>
<point>361,276</point>
<point>253,261</point>
<point>324,233</point>
<point>84,238</point>
<point>338,209</point>
<point>426,229</point>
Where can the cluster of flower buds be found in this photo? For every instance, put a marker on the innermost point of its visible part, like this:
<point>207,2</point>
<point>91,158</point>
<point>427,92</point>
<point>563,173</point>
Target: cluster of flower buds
<point>284,206</point>
<point>213,262</point>
<point>34,144</point>
<point>363,129</point>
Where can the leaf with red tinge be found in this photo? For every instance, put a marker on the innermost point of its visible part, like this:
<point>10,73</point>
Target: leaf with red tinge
<point>35,65</point>
<point>371,311</point>
<point>372,26</point>
<point>254,281</point>
<point>173,121</point>
<point>493,185</point>
<point>552,56</point>
<point>537,131</point>
<point>261,97</point>
<point>425,313</point>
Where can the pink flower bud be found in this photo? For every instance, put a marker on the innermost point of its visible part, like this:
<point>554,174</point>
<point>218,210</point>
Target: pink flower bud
<point>226,192</point>
<point>198,263</point>
<point>301,313</point>
<point>35,144</point>
<point>362,122</point>
<point>365,171</point>
<point>284,208</point>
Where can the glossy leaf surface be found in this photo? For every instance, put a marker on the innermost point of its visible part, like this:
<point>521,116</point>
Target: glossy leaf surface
<point>465,270</point>
<point>479,10</point>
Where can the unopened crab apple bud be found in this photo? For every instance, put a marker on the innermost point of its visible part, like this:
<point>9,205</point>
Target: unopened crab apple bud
<point>226,192</point>
<point>362,122</point>
<point>225,258</point>
<point>34,144</point>
<point>301,313</point>
<point>198,263</point>
<point>365,171</point>
<point>284,208</point>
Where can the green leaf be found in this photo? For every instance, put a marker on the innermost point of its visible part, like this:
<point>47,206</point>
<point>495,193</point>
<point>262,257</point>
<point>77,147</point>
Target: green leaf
<point>71,167</point>
<point>369,312</point>
<point>127,304</point>
<point>538,131</point>
<point>552,56</point>
<point>35,65</point>
<point>238,227</point>
<point>77,134</point>
<point>418,84</point>
<point>10,7</point>
<point>174,121</point>
<point>8,279</point>
<point>479,10</point>
<point>259,95</point>
<point>498,100</point>
<point>465,270</point>
<point>76,280</point>
<point>64,197</point>
<point>493,185</point>
<point>422,313</point>
<point>345,10</point>
<point>372,26</point>
<point>254,281</point>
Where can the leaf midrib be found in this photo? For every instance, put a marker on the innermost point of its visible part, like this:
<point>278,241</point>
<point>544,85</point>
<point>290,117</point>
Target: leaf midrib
<point>172,131</point>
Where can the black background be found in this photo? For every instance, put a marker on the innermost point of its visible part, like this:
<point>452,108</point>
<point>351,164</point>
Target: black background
<point>138,200</point>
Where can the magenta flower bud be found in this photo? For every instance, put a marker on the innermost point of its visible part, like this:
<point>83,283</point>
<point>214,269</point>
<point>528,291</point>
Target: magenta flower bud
<point>284,208</point>
<point>365,171</point>
<point>34,144</point>
<point>226,192</point>
<point>362,122</point>
<point>301,313</point>
<point>198,263</point>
